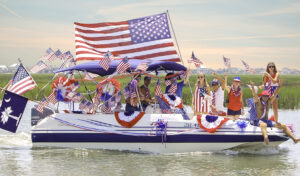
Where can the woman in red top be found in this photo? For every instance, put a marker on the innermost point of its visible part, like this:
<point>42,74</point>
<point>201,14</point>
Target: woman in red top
<point>270,83</point>
<point>235,97</point>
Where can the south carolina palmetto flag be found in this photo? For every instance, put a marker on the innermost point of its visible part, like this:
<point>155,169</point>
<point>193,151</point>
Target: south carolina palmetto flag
<point>142,38</point>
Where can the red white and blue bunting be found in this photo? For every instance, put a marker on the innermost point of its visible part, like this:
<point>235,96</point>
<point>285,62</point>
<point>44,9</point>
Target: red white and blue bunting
<point>128,119</point>
<point>172,100</point>
<point>211,123</point>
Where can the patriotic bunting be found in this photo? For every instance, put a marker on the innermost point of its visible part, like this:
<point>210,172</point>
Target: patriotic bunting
<point>128,119</point>
<point>211,123</point>
<point>172,100</point>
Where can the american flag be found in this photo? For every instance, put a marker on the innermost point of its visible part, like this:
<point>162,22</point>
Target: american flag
<point>126,92</point>
<point>195,60</point>
<point>123,65</point>
<point>141,38</point>
<point>41,105</point>
<point>173,88</point>
<point>158,91</point>
<point>75,86</point>
<point>90,76</point>
<point>227,62</point>
<point>105,61</point>
<point>66,55</point>
<point>49,53</point>
<point>52,98</point>
<point>105,108</point>
<point>82,104</point>
<point>77,97</point>
<point>71,62</point>
<point>21,82</point>
<point>142,67</point>
<point>38,67</point>
<point>247,67</point>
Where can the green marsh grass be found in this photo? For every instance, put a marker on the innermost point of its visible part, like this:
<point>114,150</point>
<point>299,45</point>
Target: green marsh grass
<point>289,92</point>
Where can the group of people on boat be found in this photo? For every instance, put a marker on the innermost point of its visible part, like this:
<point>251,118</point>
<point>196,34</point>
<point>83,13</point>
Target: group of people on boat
<point>209,98</point>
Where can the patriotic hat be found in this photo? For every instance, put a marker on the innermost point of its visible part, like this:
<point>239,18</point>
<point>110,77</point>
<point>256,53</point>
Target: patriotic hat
<point>215,81</point>
<point>264,93</point>
<point>237,79</point>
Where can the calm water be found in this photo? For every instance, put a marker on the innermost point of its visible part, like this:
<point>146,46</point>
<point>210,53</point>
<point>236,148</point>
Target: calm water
<point>17,158</point>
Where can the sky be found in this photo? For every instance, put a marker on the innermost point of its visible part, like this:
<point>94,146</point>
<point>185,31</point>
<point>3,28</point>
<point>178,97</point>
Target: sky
<point>257,31</point>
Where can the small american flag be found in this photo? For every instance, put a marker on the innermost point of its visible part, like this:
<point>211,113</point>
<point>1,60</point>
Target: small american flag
<point>227,62</point>
<point>90,76</point>
<point>105,108</point>
<point>52,98</point>
<point>142,67</point>
<point>21,82</point>
<point>158,91</point>
<point>82,104</point>
<point>41,105</point>
<point>70,95</point>
<point>195,60</point>
<point>49,53</point>
<point>168,82</point>
<point>77,97</point>
<point>75,86</point>
<point>89,107</point>
<point>142,38</point>
<point>38,67</point>
<point>52,56</point>
<point>123,65</point>
<point>66,55</point>
<point>105,61</point>
<point>247,67</point>
<point>173,88</point>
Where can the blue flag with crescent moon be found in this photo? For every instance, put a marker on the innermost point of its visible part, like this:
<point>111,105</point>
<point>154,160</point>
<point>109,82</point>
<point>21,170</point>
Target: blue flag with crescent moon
<point>11,111</point>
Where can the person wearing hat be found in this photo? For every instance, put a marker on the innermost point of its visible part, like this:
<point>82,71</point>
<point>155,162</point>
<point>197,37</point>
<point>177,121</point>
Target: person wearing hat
<point>180,81</point>
<point>235,96</point>
<point>200,102</point>
<point>262,102</point>
<point>217,95</point>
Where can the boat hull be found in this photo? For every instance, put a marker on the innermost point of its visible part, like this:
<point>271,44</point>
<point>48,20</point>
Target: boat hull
<point>104,132</point>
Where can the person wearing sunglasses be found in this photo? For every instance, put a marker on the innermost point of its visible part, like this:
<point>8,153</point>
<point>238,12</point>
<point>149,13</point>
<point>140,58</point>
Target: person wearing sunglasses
<point>200,101</point>
<point>179,80</point>
<point>270,83</point>
<point>217,95</point>
<point>235,106</point>
<point>261,103</point>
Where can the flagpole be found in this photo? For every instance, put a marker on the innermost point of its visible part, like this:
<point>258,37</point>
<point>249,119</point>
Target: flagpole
<point>178,47</point>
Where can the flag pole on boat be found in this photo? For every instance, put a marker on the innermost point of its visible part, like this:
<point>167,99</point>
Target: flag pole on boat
<point>178,47</point>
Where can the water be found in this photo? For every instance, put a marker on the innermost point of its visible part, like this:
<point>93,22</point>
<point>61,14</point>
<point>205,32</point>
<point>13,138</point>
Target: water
<point>17,158</point>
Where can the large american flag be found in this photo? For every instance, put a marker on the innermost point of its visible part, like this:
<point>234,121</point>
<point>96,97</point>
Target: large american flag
<point>247,67</point>
<point>195,60</point>
<point>21,82</point>
<point>123,65</point>
<point>227,62</point>
<point>38,67</point>
<point>141,38</point>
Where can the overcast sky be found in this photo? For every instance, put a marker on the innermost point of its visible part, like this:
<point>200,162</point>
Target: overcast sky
<point>253,30</point>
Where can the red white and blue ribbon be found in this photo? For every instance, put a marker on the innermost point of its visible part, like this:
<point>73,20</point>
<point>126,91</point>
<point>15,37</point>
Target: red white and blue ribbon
<point>211,123</point>
<point>128,119</point>
<point>172,100</point>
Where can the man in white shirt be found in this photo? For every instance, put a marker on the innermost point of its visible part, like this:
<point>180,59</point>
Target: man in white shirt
<point>217,95</point>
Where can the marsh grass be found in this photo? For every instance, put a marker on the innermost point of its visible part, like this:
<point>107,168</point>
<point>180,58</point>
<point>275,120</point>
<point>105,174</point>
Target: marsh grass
<point>289,92</point>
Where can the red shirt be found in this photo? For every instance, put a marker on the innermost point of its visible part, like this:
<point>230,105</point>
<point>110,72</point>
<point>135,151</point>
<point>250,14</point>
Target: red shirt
<point>235,103</point>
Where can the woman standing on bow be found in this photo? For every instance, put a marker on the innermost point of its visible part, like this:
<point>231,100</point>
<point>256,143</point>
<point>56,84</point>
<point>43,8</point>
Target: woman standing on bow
<point>270,82</point>
<point>200,101</point>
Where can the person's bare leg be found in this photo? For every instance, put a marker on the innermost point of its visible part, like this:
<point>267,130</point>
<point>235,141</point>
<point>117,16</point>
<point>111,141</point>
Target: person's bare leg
<point>287,131</point>
<point>275,109</point>
<point>263,127</point>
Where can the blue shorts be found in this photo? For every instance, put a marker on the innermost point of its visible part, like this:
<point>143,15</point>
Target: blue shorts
<point>273,88</point>
<point>232,112</point>
<point>269,123</point>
